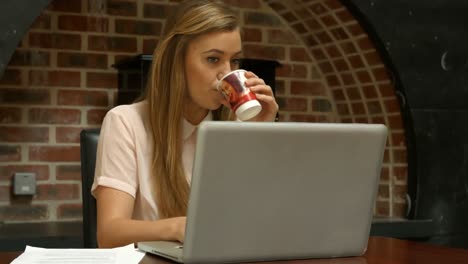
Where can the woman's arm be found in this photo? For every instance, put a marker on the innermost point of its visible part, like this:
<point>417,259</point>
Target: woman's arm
<point>116,228</point>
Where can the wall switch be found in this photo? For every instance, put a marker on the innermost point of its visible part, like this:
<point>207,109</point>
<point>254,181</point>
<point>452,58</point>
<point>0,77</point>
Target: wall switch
<point>24,183</point>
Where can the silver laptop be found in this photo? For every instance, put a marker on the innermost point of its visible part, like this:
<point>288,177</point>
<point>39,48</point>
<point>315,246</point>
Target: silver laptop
<point>278,191</point>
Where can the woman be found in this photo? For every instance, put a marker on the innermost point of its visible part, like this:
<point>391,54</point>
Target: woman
<point>146,149</point>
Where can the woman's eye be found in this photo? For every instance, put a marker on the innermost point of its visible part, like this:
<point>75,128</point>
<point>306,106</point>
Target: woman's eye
<point>236,61</point>
<point>212,59</point>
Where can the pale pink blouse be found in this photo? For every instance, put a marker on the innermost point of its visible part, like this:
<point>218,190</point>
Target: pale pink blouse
<point>124,155</point>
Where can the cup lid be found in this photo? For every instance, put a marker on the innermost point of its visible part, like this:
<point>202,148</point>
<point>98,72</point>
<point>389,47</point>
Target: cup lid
<point>248,110</point>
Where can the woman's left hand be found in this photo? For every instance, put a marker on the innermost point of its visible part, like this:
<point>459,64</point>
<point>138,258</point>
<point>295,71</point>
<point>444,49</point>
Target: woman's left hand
<point>264,95</point>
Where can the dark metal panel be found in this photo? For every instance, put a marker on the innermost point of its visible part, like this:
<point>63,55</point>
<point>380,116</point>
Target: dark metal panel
<point>16,16</point>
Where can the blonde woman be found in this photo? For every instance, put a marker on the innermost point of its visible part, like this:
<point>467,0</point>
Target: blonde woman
<point>146,149</point>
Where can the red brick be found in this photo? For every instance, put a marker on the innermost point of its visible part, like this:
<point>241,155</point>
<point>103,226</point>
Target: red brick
<point>399,210</point>
<point>342,109</point>
<point>384,174</point>
<point>30,58</point>
<point>353,94</point>
<point>328,21</point>
<point>279,87</point>
<point>392,105</point>
<point>24,96</point>
<point>300,28</point>
<point>10,115</point>
<point>345,16</point>
<point>121,8</point>
<point>321,105</point>
<point>10,153</point>
<point>54,153</point>
<point>326,67</point>
<point>290,17</point>
<point>101,80</point>
<point>384,191</point>
<point>82,60</point>
<point>307,88</point>
<point>356,30</point>
<point>160,11</point>
<point>24,134</point>
<point>55,41</point>
<point>348,47</point>
<point>80,97</point>
<point>277,6</point>
<point>253,4</point>
<point>11,77</point>
<point>333,4</point>
<point>70,211</point>
<point>318,9</point>
<point>338,95</point>
<point>22,212</point>
<point>7,171</point>
<point>356,61</point>
<point>324,37</point>
<point>380,74</point>
<point>299,54</point>
<point>369,91</point>
<point>54,116</point>
<point>400,173</point>
<point>333,51</point>
<point>252,35</point>
<point>68,172</point>
<point>95,116</point>
<point>5,192</point>
<point>113,44</point>
<point>386,90</point>
<point>341,65</point>
<point>280,36</point>
<point>358,108</point>
<point>41,22</point>
<point>309,118</point>
<point>57,191</point>
<point>68,134</point>
<point>292,70</point>
<point>261,19</point>
<point>318,54</point>
<point>292,104</point>
<point>54,78</point>
<point>83,23</point>
<point>363,77</point>
<point>347,78</point>
<point>395,122</point>
<point>149,45</point>
<point>65,6</point>
<point>333,81</point>
<point>374,107</point>
<point>365,44</point>
<point>382,208</point>
<point>398,139</point>
<point>264,52</point>
<point>125,26</point>
<point>400,156</point>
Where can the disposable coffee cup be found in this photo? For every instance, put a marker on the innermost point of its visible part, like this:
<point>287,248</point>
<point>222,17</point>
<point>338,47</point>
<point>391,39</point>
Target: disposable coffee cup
<point>243,102</point>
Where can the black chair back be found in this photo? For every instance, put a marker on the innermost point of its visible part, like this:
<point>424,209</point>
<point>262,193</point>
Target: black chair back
<point>88,145</point>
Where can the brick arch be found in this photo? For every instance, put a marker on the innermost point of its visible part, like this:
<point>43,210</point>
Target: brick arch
<point>356,78</point>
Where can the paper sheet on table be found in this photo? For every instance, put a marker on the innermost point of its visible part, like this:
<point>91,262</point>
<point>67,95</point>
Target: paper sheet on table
<point>121,255</point>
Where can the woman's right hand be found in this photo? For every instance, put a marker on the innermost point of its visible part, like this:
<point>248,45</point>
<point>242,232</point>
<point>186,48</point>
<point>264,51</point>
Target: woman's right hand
<point>178,224</point>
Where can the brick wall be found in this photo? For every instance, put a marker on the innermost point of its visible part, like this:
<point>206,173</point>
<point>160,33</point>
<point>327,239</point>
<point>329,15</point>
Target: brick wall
<point>61,80</point>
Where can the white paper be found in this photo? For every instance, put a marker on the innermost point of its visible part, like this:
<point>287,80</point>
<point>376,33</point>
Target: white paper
<point>121,255</point>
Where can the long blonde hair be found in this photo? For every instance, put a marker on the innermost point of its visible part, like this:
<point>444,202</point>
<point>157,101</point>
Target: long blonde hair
<point>165,95</point>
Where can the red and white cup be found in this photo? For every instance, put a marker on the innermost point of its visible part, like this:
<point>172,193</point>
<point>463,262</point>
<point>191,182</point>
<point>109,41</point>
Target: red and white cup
<point>243,102</point>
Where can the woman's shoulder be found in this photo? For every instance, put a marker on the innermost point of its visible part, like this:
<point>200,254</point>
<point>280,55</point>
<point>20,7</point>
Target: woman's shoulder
<point>135,110</point>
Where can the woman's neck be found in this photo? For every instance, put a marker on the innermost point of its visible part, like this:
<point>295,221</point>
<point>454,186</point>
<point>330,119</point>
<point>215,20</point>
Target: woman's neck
<point>194,114</point>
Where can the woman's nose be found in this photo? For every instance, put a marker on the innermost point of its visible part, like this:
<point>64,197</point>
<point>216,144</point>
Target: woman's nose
<point>225,70</point>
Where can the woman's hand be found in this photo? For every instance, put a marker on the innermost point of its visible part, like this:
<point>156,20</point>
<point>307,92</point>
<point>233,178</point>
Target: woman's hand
<point>264,95</point>
<point>178,225</point>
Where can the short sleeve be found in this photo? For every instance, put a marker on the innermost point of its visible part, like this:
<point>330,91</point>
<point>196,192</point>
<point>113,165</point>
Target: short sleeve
<point>116,165</point>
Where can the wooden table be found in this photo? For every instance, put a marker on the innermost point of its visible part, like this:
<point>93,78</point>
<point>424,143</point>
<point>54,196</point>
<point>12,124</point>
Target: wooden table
<point>381,250</point>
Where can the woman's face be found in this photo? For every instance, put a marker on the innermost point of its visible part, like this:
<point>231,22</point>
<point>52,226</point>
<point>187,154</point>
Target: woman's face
<point>208,58</point>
